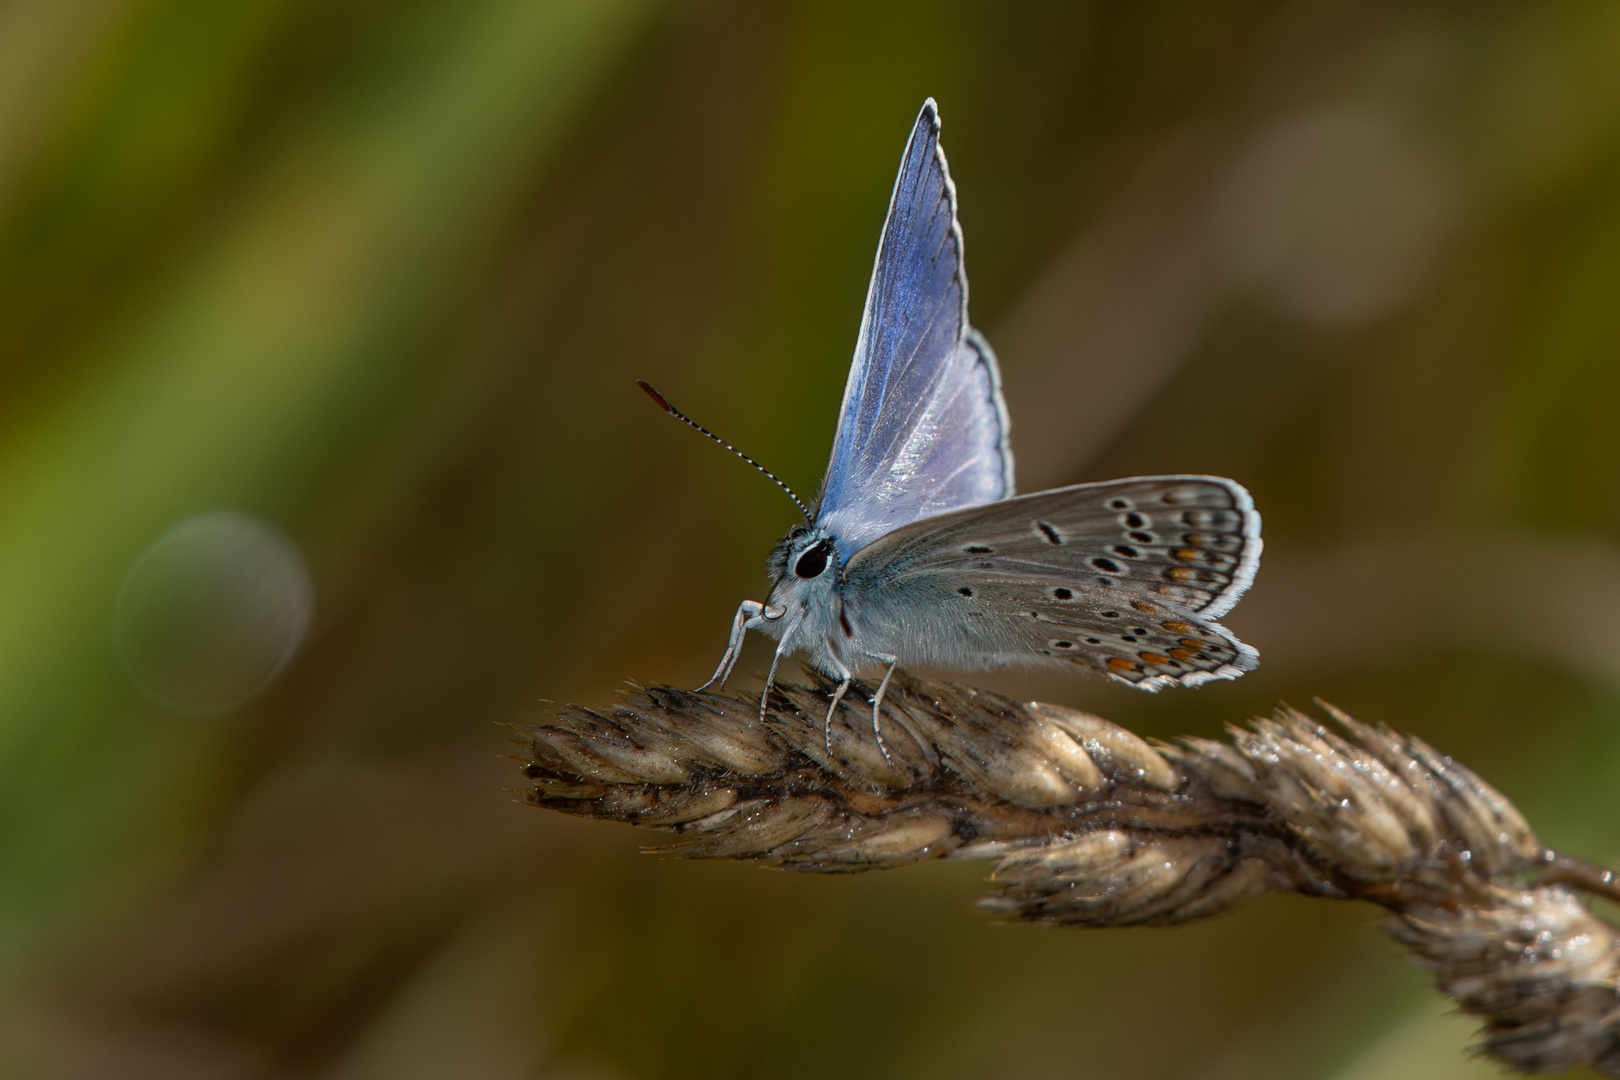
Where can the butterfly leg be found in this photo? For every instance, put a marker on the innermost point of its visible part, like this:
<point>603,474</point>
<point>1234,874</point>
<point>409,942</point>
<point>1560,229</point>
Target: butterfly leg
<point>877,700</point>
<point>750,615</point>
<point>838,695</point>
<point>770,677</point>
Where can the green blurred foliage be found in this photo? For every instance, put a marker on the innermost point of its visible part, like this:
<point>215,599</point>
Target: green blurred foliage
<point>381,273</point>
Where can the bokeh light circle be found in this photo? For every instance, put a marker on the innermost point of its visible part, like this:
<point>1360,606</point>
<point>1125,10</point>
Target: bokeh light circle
<point>212,611</point>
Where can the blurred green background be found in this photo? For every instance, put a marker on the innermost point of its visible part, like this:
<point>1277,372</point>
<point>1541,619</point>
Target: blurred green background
<point>318,325</point>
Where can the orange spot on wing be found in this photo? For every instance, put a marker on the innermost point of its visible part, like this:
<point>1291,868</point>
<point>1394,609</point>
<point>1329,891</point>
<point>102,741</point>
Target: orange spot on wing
<point>1187,554</point>
<point>1120,664</point>
<point>1154,658</point>
<point>1178,628</point>
<point>1182,654</point>
<point>1143,605</point>
<point>1183,573</point>
<point>1192,644</point>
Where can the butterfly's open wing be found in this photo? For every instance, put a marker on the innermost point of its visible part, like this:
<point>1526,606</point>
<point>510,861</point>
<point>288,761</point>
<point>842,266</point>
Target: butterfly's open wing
<point>1126,576</point>
<point>923,428</point>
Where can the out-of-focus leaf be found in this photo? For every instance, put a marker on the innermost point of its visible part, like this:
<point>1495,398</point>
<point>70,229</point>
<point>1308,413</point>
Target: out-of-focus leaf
<point>235,382</point>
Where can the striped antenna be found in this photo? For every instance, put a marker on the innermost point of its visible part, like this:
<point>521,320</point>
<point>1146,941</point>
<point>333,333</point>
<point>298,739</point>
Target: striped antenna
<point>664,404</point>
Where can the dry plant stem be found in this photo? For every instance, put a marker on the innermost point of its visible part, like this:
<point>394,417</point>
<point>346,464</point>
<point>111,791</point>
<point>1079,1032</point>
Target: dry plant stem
<point>1090,825</point>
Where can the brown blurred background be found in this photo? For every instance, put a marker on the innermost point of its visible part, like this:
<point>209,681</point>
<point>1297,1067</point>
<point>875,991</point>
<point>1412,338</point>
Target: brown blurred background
<point>320,457</point>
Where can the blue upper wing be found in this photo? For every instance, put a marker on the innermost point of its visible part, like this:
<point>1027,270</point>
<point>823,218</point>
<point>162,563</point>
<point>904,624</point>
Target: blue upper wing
<point>923,428</point>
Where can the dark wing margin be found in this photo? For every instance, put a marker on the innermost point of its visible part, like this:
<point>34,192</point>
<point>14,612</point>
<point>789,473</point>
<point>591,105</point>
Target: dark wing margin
<point>998,403</point>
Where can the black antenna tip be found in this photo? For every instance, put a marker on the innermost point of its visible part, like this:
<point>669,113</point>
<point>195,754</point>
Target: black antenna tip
<point>656,396</point>
<point>683,418</point>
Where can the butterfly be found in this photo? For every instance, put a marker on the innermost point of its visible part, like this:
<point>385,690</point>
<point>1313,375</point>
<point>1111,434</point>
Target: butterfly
<point>918,551</point>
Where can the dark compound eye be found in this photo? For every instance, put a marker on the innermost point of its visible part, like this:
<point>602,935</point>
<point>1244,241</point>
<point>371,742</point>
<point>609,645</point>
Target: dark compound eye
<point>813,562</point>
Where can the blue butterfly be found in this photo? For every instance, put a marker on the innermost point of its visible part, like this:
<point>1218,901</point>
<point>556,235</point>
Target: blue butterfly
<point>918,551</point>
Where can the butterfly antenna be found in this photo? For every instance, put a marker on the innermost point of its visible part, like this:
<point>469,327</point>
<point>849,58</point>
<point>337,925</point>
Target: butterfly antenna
<point>664,404</point>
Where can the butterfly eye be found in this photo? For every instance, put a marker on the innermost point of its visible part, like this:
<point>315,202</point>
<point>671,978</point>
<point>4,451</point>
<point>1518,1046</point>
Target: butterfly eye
<point>814,561</point>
